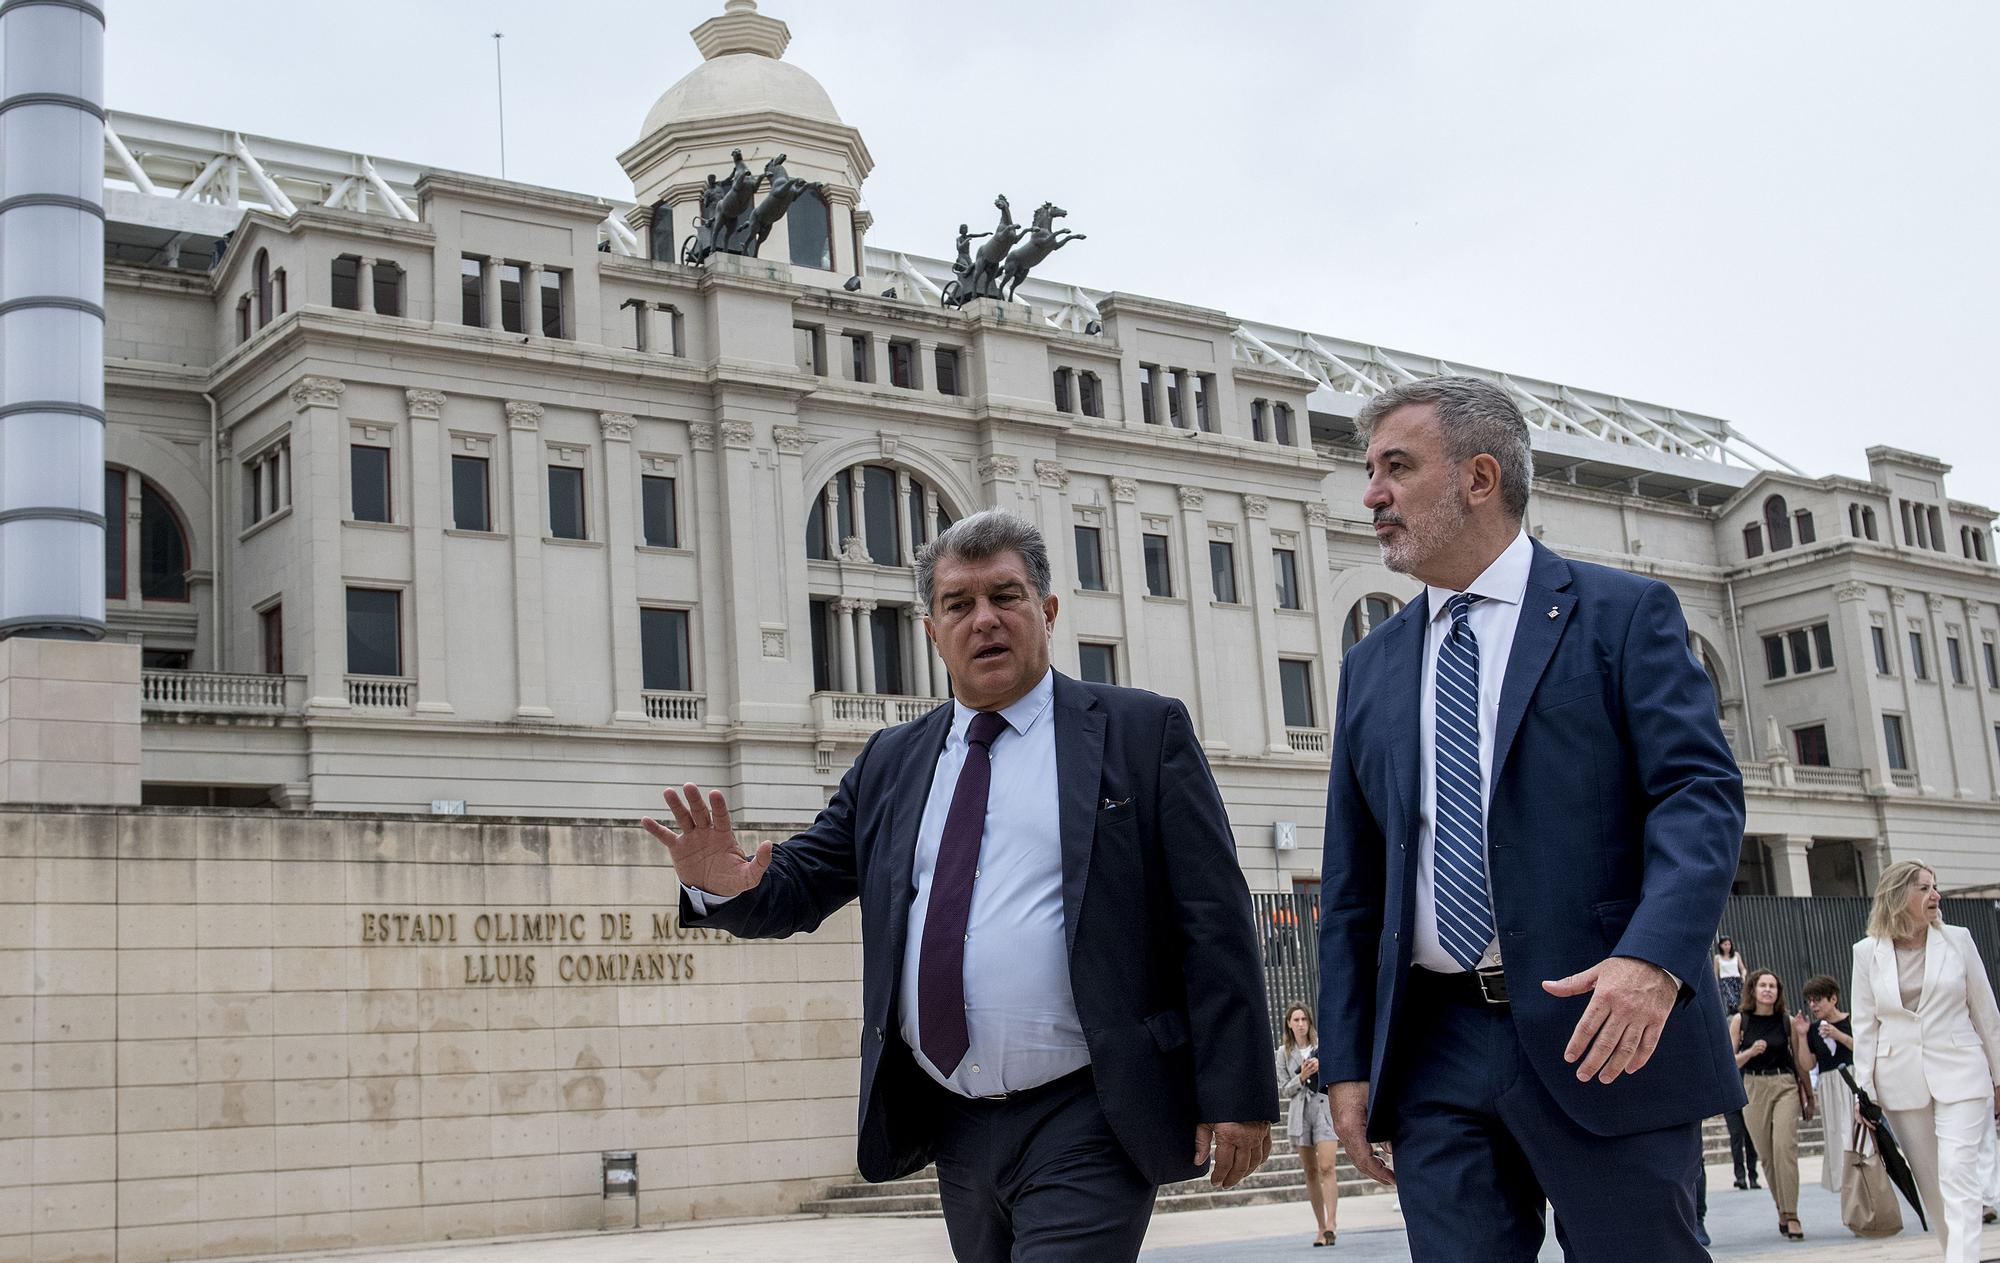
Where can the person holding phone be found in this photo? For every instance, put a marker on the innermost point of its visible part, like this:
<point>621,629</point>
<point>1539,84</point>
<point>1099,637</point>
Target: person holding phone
<point>1311,1120</point>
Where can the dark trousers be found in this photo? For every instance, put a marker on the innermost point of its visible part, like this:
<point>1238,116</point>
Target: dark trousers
<point>1038,1177</point>
<point>1742,1154</point>
<point>1480,1147</point>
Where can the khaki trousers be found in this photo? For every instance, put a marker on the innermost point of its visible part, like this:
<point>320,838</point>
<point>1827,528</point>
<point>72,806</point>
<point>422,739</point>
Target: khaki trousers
<point>1773,1119</point>
<point>1941,1140</point>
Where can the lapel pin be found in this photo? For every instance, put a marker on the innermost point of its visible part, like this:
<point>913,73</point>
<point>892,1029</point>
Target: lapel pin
<point>1555,611</point>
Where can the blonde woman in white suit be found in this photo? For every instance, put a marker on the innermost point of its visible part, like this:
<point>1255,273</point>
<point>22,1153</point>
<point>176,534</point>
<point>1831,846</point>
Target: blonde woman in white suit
<point>1927,1046</point>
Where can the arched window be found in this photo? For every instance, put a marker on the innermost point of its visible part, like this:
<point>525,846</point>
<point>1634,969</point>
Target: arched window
<point>660,236</point>
<point>873,513</point>
<point>260,273</point>
<point>163,547</point>
<point>1777,524</point>
<point>1368,613</point>
<point>811,228</point>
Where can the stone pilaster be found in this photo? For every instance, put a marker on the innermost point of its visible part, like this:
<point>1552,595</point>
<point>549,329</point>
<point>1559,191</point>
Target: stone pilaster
<point>1195,582</point>
<point>1129,545</point>
<point>621,476</point>
<point>1260,591</point>
<point>524,448</point>
<point>430,492</point>
<point>319,453</point>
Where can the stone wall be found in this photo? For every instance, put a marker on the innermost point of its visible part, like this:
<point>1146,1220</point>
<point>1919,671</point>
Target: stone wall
<point>233,1032</point>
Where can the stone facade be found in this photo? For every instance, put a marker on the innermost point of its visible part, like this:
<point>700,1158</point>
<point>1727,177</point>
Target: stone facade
<point>237,1032</point>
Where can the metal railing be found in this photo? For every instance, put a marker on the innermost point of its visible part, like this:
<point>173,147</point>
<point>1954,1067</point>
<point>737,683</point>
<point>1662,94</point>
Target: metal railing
<point>379,692</point>
<point>674,708</point>
<point>174,692</point>
<point>1307,740</point>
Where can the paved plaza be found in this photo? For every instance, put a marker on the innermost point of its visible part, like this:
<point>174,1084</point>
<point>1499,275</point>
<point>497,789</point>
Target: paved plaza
<point>1742,1224</point>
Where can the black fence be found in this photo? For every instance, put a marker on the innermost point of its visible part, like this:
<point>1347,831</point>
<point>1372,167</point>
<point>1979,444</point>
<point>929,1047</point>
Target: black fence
<point>1794,938</point>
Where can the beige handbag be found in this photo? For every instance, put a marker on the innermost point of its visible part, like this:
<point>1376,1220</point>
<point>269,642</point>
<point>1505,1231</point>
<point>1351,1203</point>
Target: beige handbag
<point>1867,1200</point>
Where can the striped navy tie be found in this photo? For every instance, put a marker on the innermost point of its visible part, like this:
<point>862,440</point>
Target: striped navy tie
<point>1464,919</point>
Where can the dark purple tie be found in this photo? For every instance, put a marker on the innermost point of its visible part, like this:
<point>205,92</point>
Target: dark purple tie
<point>941,967</point>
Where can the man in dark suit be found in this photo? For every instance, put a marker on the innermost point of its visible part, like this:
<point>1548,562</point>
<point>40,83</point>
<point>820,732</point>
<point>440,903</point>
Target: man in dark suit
<point>1533,821</point>
<point>1062,1002</point>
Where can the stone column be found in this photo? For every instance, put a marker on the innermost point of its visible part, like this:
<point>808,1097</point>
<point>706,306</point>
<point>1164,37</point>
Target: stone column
<point>130,516</point>
<point>1208,710</point>
<point>916,655</point>
<point>857,477</point>
<point>1128,535</point>
<point>524,449</point>
<point>489,280</point>
<point>847,673</point>
<point>366,280</point>
<point>906,549</point>
<point>864,642</point>
<point>1790,873</point>
<point>1317,570</point>
<point>531,299</point>
<point>834,491</point>
<point>1941,672</point>
<point>930,513</point>
<point>628,705</point>
<point>1184,387</point>
<point>1258,567</point>
<point>319,446</point>
<point>1052,500</point>
<point>649,329</point>
<point>281,487</point>
<point>429,491</point>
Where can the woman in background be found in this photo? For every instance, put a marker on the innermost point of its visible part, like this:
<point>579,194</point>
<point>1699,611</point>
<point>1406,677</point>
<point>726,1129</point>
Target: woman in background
<point>1728,973</point>
<point>1729,981</point>
<point>1311,1119</point>
<point>1927,1047</point>
<point>1771,1055</point>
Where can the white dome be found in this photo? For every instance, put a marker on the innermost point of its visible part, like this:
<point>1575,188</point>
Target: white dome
<point>741,83</point>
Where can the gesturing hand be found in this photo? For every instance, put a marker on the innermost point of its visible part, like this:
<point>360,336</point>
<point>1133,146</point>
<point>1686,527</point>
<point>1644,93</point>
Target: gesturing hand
<point>1240,1148</point>
<point>1620,1028</point>
<point>704,851</point>
<point>1349,1103</point>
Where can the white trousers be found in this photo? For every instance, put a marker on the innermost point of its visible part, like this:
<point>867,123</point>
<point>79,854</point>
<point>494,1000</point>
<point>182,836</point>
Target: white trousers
<point>1942,1141</point>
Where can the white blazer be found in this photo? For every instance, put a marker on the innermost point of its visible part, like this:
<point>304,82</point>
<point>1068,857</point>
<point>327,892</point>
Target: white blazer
<point>1949,1049</point>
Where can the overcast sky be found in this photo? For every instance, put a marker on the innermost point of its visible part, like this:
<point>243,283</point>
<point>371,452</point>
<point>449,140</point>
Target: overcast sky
<point>1778,213</point>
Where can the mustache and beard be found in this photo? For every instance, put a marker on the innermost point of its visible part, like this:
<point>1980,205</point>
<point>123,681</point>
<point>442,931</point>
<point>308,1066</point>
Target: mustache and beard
<point>1425,533</point>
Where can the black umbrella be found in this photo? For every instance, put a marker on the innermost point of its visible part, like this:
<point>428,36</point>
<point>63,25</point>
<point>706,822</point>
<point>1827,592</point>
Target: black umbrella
<point>1894,1164</point>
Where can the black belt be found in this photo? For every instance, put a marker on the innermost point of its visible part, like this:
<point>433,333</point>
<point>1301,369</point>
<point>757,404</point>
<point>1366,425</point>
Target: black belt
<point>1749,1072</point>
<point>1486,988</point>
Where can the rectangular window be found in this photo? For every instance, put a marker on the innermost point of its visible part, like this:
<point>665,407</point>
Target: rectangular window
<point>512,318</point>
<point>1090,394</point>
<point>1956,658</point>
<point>374,632</point>
<point>272,624</point>
<point>1257,431</point>
<point>1892,737</point>
<point>885,635</point>
<point>1774,658</point>
<point>878,488</point>
<point>471,507</point>
<point>1149,382</point>
<point>1992,665</point>
<point>1204,390</point>
<point>1295,686</point>
<point>552,304</point>
<point>1811,746</point>
<point>1880,639</point>
<point>471,294</point>
<point>369,469</point>
<point>821,646</point>
<point>1097,664</point>
<point>1159,576</point>
<point>347,283</point>
<point>661,512</point>
<point>858,358</point>
<point>809,345</point>
<point>1063,376</point>
<point>1287,567</point>
<point>1222,570</point>
<point>114,534</point>
<point>566,503</point>
<point>1089,559</point>
<point>1802,526</point>
<point>903,365</point>
<point>1174,414</point>
<point>388,288</point>
<point>663,651</point>
<point>1919,667</point>
<point>945,360</point>
<point>1282,415</point>
<point>1801,654</point>
<point>1822,638</point>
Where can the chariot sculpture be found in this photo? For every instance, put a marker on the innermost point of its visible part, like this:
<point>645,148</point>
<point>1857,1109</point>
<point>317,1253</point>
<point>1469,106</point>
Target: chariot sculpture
<point>733,220</point>
<point>997,268</point>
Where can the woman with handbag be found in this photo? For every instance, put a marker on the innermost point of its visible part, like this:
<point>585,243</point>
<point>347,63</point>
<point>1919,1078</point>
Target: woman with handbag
<point>1927,1046</point>
<point>1311,1119</point>
<point>1772,1057</point>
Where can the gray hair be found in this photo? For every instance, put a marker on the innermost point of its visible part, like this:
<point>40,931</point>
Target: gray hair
<point>980,536</point>
<point>1476,418</point>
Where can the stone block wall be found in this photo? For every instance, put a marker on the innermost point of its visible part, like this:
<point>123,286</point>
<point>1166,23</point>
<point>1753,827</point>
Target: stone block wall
<point>236,1032</point>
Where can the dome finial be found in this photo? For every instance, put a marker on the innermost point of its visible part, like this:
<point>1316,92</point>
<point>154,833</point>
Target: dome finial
<point>741,29</point>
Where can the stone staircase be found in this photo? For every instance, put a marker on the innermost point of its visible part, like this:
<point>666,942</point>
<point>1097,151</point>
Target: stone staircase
<point>1278,1180</point>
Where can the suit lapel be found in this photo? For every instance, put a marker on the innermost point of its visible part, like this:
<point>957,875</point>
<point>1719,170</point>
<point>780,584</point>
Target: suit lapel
<point>1888,983</point>
<point>1079,774</point>
<point>899,857</point>
<point>1935,948</point>
<point>1403,672</point>
<point>1536,635</point>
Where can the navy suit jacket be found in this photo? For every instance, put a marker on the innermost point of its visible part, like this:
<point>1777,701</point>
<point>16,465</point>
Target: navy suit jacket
<point>1614,825</point>
<point>1163,955</point>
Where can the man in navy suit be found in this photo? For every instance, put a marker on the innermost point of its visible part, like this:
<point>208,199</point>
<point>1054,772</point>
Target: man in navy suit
<point>1062,999</point>
<point>1532,823</point>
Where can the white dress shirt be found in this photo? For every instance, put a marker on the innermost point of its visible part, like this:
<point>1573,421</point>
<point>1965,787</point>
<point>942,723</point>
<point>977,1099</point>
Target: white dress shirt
<point>1019,1010</point>
<point>1492,619</point>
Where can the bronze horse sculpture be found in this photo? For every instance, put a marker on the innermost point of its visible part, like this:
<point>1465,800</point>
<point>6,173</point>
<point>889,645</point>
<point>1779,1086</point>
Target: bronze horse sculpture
<point>1044,239</point>
<point>981,279</point>
<point>729,223</point>
<point>785,189</point>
